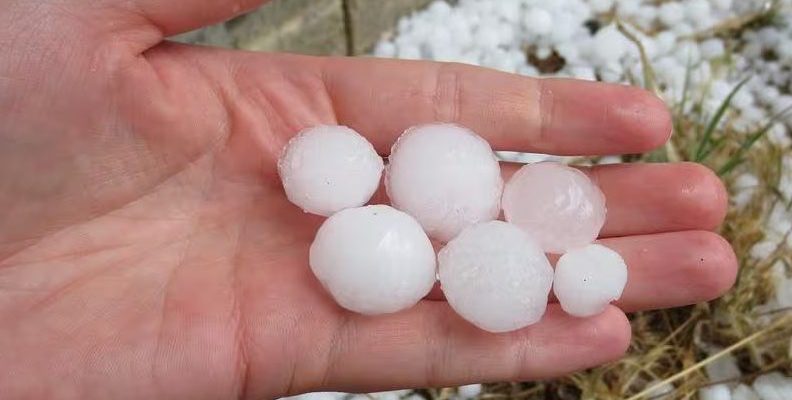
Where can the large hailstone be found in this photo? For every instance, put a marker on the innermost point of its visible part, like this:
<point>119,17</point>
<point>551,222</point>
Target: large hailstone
<point>373,260</point>
<point>588,279</point>
<point>445,176</point>
<point>495,276</point>
<point>557,205</point>
<point>328,168</point>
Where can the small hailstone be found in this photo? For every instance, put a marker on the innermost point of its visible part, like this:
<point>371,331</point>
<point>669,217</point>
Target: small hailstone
<point>784,51</point>
<point>769,36</point>
<point>469,391</point>
<point>687,53</point>
<point>584,72</point>
<point>752,50</point>
<point>666,41</point>
<point>783,292</point>
<point>779,135</point>
<point>385,49</point>
<point>317,396</point>
<point>723,369</point>
<point>568,51</point>
<point>543,53</point>
<point>712,48</point>
<point>628,8</point>
<point>782,104</point>
<point>487,37</point>
<point>646,16</point>
<point>671,13</point>
<point>439,9</point>
<point>538,21</point>
<point>564,28</point>
<point>389,395</point>
<point>601,6</point>
<point>744,187</point>
<point>559,206</point>
<point>722,5</point>
<point>445,176</point>
<point>328,168</point>
<point>661,392</point>
<point>528,70</point>
<point>409,52</point>
<point>609,44</point>
<point>773,386</point>
<point>587,279</point>
<point>495,276</point>
<point>697,10</point>
<point>607,160</point>
<point>767,94</point>
<point>373,260</point>
<point>742,99</point>
<point>744,392</point>
<point>764,249</point>
<point>715,392</point>
<point>682,29</point>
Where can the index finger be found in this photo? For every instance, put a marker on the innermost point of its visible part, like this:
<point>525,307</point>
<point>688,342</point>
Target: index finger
<point>381,97</point>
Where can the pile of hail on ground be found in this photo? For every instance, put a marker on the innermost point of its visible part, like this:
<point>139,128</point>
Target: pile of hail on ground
<point>683,43</point>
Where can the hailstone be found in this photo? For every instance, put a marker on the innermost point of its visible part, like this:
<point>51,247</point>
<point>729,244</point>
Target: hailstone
<point>328,168</point>
<point>373,259</point>
<point>588,279</point>
<point>495,276</point>
<point>445,176</point>
<point>559,206</point>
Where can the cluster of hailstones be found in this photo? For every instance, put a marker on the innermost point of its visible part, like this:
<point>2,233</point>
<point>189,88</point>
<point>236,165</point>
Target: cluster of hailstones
<point>445,183</point>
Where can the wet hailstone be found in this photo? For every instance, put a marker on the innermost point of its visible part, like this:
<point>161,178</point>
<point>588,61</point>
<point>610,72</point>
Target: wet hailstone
<point>588,279</point>
<point>495,276</point>
<point>328,168</point>
<point>374,259</point>
<point>559,206</point>
<point>445,176</point>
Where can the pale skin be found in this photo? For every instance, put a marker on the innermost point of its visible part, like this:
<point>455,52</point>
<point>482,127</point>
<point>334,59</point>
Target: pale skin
<point>147,249</point>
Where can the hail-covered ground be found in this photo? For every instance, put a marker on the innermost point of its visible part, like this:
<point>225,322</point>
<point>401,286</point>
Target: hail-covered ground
<point>597,40</point>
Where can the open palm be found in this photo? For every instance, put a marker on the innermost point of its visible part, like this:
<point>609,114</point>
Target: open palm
<point>147,249</point>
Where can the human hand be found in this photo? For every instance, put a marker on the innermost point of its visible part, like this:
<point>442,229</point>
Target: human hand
<point>147,249</point>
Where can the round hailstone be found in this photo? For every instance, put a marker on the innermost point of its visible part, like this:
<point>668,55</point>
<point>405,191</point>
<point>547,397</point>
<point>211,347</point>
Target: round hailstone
<point>445,176</point>
<point>328,168</point>
<point>373,260</point>
<point>557,205</point>
<point>588,279</point>
<point>495,276</point>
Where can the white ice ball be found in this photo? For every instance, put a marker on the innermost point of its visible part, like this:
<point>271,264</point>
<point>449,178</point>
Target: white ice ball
<point>328,168</point>
<point>373,259</point>
<point>671,13</point>
<point>445,176</point>
<point>538,21</point>
<point>601,6</point>
<point>495,276</point>
<point>712,48</point>
<point>559,206</point>
<point>587,279</point>
<point>609,45</point>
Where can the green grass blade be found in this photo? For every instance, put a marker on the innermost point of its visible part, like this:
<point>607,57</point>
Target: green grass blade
<point>738,158</point>
<point>685,94</point>
<point>706,139</point>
